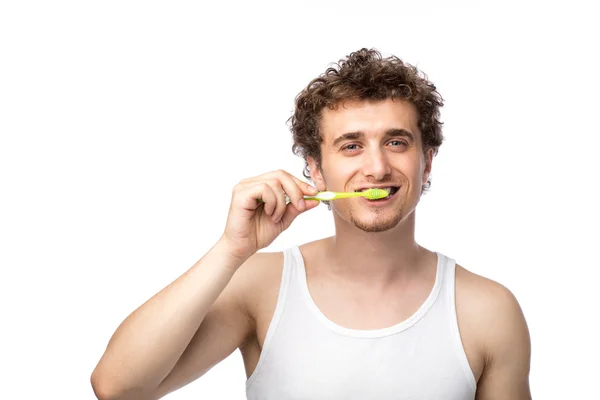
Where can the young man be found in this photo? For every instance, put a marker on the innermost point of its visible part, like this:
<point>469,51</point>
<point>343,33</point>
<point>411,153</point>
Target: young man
<point>365,314</point>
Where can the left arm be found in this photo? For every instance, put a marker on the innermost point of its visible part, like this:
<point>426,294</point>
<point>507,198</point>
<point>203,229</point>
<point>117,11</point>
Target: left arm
<point>507,350</point>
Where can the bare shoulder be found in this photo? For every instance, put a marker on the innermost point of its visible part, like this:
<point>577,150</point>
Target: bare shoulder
<point>484,295</point>
<point>259,276</point>
<point>262,275</point>
<point>490,304</point>
<point>493,327</point>
<point>260,266</point>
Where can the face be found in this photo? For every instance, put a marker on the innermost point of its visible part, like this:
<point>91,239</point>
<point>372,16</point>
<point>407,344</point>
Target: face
<point>372,144</point>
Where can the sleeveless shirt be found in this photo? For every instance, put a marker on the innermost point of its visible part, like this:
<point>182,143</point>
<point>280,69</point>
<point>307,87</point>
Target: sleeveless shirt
<point>306,356</point>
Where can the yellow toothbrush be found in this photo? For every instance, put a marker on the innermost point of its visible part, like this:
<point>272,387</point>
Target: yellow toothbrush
<point>371,194</point>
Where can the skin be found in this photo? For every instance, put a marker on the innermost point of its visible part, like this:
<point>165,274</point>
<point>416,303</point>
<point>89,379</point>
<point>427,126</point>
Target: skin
<point>340,270</point>
<point>372,259</point>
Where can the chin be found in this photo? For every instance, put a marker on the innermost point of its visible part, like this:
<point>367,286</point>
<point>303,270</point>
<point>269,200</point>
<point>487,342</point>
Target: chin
<point>377,224</point>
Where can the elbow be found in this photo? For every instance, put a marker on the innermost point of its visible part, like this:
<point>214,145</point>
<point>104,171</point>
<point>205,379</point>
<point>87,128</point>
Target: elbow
<point>109,388</point>
<point>101,388</point>
<point>104,387</point>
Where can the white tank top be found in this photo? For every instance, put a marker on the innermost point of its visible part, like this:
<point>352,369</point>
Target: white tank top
<point>307,356</point>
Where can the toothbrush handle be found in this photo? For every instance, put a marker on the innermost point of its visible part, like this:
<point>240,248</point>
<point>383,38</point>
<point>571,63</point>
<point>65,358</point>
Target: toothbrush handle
<point>288,201</point>
<point>345,195</point>
<point>311,198</point>
<point>338,195</point>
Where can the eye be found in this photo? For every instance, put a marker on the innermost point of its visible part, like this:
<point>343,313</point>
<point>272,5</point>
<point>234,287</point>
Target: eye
<point>350,147</point>
<point>397,143</point>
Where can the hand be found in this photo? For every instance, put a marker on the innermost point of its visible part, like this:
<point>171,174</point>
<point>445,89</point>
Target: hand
<point>259,213</point>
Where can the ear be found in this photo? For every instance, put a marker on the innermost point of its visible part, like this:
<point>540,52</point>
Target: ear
<point>315,174</point>
<point>427,169</point>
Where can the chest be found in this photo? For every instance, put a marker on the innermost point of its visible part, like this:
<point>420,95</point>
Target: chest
<point>252,352</point>
<point>305,361</point>
<point>357,310</point>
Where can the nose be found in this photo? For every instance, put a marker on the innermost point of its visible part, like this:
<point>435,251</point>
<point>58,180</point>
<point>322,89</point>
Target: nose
<point>376,165</point>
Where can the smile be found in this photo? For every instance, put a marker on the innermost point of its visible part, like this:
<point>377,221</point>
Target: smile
<point>390,189</point>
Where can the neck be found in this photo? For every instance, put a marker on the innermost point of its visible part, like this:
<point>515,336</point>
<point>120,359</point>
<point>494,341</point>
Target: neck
<point>376,257</point>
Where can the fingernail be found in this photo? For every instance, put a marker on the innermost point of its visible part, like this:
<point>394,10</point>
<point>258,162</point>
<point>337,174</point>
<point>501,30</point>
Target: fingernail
<point>314,189</point>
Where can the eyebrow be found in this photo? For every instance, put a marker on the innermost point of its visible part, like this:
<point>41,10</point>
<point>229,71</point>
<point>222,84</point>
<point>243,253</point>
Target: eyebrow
<point>360,134</point>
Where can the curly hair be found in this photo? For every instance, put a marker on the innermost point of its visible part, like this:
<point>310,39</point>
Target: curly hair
<point>364,75</point>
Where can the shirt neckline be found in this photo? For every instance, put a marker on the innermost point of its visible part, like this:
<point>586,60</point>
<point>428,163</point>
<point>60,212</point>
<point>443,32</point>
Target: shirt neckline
<point>368,333</point>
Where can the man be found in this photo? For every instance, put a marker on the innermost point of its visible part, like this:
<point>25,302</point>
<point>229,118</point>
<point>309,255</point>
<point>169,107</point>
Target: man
<point>367,313</point>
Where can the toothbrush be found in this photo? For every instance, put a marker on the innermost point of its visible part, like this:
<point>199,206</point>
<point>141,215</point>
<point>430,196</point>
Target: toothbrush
<point>371,194</point>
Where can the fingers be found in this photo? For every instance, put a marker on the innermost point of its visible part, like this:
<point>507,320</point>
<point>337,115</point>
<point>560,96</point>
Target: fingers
<point>306,188</point>
<point>271,189</point>
<point>292,189</point>
<point>289,184</point>
<point>249,195</point>
<point>281,204</point>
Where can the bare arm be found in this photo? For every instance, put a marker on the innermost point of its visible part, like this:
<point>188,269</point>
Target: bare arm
<point>149,343</point>
<point>507,349</point>
<point>228,325</point>
<point>201,317</point>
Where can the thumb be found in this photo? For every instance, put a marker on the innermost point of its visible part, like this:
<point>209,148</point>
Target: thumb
<point>292,212</point>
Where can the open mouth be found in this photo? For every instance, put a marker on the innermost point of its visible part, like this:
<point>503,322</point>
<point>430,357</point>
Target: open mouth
<point>392,190</point>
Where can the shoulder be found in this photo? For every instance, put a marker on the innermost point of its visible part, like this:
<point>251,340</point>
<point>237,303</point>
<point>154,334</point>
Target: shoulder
<point>259,279</point>
<point>483,295</point>
<point>261,263</point>
<point>492,315</point>
<point>262,276</point>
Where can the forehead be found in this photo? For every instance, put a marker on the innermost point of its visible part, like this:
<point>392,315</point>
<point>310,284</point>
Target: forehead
<point>371,117</point>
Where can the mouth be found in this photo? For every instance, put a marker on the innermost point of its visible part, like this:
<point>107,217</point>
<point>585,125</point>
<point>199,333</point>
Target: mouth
<point>392,190</point>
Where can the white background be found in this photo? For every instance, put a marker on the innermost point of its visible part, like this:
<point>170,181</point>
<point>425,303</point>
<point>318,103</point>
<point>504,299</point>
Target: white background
<point>124,126</point>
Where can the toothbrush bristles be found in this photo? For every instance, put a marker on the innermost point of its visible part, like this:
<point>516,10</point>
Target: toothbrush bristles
<point>374,194</point>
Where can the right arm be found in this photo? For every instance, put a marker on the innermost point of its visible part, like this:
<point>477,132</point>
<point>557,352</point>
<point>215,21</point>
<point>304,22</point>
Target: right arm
<point>146,347</point>
<point>200,318</point>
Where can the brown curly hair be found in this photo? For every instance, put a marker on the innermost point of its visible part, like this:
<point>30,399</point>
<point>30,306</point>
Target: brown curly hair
<point>364,75</point>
